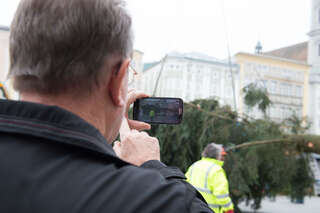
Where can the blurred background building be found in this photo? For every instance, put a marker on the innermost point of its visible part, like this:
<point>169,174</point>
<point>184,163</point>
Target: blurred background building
<point>314,60</point>
<point>5,85</point>
<point>286,82</point>
<point>290,75</point>
<point>190,76</point>
<point>4,52</point>
<point>197,76</point>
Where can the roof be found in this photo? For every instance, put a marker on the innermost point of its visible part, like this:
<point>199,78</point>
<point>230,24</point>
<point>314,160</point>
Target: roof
<point>4,28</point>
<point>194,56</point>
<point>199,57</point>
<point>304,63</point>
<point>147,66</point>
<point>297,52</point>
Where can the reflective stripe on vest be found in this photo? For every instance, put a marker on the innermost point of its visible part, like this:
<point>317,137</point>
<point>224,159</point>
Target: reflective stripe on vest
<point>192,167</point>
<point>207,175</point>
<point>222,196</point>
<point>209,192</point>
<point>213,205</point>
<point>218,206</point>
<point>204,190</point>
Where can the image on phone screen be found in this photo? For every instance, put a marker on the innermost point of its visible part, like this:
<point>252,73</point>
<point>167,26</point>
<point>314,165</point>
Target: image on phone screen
<point>159,110</point>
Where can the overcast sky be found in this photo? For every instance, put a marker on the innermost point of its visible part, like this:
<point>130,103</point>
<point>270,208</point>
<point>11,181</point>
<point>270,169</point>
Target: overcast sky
<point>162,26</point>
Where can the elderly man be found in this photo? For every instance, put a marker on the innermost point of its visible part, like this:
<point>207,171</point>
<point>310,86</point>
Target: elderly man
<point>208,176</point>
<point>69,61</point>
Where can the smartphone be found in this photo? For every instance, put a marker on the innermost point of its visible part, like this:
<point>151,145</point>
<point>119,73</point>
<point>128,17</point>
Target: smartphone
<point>158,110</point>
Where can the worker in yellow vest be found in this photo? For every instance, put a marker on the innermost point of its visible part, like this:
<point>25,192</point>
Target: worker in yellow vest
<point>209,178</point>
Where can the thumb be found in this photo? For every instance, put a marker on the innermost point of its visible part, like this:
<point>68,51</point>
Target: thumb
<point>117,148</point>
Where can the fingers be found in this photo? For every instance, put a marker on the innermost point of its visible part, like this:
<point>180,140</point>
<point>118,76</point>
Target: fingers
<point>133,95</point>
<point>130,90</point>
<point>138,125</point>
<point>137,148</point>
<point>124,129</point>
<point>117,148</point>
<point>130,126</point>
<point>144,134</point>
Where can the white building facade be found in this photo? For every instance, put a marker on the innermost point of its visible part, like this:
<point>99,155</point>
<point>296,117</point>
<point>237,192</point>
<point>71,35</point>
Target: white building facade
<point>314,60</point>
<point>5,63</point>
<point>314,107</point>
<point>196,76</point>
<point>190,77</point>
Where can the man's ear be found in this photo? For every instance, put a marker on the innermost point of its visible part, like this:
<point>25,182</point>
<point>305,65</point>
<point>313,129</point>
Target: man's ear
<point>118,83</point>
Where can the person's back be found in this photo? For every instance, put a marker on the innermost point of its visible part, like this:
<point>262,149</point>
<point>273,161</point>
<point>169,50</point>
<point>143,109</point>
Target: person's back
<point>49,164</point>
<point>50,173</point>
<point>69,62</point>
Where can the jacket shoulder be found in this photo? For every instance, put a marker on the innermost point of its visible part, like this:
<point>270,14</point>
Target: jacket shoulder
<point>146,190</point>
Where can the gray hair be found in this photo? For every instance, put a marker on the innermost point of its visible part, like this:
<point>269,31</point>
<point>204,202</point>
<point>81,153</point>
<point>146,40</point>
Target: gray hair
<point>212,150</point>
<point>59,45</point>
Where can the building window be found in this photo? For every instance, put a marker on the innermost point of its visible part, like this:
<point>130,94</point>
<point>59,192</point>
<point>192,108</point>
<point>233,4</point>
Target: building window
<point>318,49</point>
<point>273,87</point>
<point>319,16</point>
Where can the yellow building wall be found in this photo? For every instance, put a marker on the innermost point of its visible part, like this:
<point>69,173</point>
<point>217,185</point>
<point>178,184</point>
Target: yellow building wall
<point>243,58</point>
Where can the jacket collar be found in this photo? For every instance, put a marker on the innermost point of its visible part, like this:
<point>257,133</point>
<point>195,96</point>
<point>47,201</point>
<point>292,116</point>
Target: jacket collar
<point>51,122</point>
<point>215,161</point>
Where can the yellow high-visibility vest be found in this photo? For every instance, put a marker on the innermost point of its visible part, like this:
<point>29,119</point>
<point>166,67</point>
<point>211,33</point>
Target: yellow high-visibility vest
<point>209,178</point>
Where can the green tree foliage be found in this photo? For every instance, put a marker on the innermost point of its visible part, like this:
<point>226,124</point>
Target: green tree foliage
<point>296,125</point>
<point>253,172</point>
<point>300,180</point>
<point>255,96</point>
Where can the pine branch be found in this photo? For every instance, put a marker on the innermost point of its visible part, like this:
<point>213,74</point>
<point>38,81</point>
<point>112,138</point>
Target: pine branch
<point>304,143</point>
<point>254,143</point>
<point>244,118</point>
<point>210,113</point>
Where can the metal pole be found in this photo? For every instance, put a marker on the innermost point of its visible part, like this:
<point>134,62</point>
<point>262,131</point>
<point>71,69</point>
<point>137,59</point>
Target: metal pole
<point>232,78</point>
<point>159,76</point>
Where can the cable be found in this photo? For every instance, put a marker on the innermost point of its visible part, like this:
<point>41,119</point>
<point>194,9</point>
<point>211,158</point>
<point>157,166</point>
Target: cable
<point>229,55</point>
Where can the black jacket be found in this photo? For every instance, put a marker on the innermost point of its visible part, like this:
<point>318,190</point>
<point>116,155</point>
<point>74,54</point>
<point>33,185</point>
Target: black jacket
<point>53,161</point>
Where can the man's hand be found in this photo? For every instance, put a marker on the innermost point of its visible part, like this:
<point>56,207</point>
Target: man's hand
<point>136,147</point>
<point>133,95</point>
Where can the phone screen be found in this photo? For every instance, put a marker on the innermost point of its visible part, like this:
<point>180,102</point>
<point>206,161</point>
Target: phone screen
<point>158,110</point>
